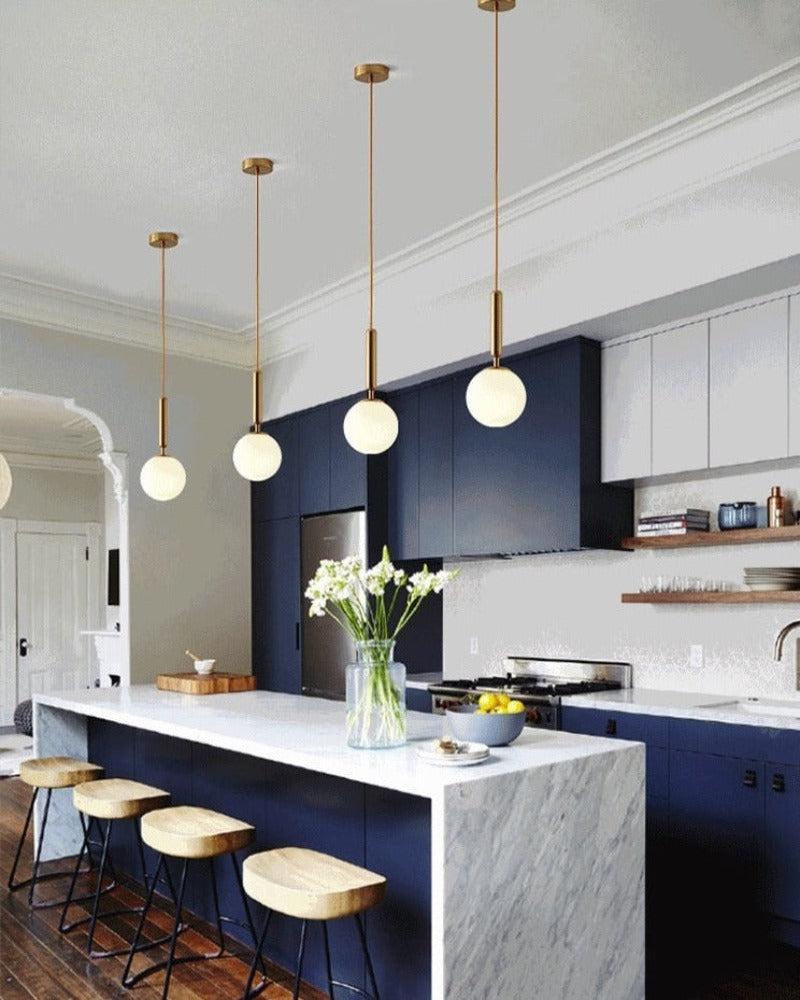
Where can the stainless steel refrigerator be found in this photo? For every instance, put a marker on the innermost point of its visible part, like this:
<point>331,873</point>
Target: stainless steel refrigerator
<point>325,647</point>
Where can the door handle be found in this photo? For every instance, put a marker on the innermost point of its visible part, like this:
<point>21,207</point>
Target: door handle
<point>23,647</point>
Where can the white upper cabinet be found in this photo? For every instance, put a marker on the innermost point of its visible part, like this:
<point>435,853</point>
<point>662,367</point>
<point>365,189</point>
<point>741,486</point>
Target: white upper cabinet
<point>680,399</point>
<point>794,374</point>
<point>748,385</point>
<point>626,401</point>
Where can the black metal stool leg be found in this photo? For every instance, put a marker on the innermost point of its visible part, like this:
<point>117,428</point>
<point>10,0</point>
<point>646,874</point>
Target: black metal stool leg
<point>248,912</point>
<point>176,926</point>
<point>12,885</point>
<point>126,981</point>
<point>301,951</point>
<point>327,956</point>
<point>257,956</point>
<point>370,970</point>
<point>63,926</point>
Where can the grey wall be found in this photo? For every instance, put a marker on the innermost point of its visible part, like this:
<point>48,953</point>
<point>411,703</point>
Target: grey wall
<point>190,558</point>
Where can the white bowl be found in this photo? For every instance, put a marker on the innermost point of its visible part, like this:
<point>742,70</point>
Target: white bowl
<point>204,666</point>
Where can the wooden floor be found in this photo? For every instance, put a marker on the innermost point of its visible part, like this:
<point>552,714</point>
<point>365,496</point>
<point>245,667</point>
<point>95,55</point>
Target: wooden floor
<point>36,961</point>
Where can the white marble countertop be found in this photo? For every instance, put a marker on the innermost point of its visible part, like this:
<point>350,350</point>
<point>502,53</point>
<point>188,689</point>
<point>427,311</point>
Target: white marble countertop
<point>309,733</point>
<point>738,710</point>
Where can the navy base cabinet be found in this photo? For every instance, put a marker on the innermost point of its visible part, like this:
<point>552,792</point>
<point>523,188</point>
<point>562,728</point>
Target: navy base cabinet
<point>376,828</point>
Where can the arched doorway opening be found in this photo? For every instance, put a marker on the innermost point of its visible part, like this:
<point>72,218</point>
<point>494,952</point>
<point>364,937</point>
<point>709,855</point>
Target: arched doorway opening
<point>69,496</point>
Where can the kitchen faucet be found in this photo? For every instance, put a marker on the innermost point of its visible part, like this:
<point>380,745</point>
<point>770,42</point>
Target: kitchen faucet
<point>781,636</point>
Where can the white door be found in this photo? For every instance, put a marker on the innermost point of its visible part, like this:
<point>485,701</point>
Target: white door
<point>52,609</point>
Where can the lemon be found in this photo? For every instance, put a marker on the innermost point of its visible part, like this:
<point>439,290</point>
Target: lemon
<point>487,701</point>
<point>515,706</point>
<point>503,699</point>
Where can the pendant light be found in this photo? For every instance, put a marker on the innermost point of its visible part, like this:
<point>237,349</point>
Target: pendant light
<point>162,476</point>
<point>257,455</point>
<point>5,481</point>
<point>496,396</point>
<point>370,425</point>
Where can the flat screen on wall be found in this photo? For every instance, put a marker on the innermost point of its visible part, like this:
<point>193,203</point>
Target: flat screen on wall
<point>113,578</point>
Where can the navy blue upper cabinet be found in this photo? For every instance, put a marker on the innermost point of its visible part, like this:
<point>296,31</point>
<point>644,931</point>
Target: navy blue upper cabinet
<point>535,486</point>
<point>277,497</point>
<point>403,470</point>
<point>348,468</point>
<point>436,469</point>
<point>276,604</point>
<point>313,465</point>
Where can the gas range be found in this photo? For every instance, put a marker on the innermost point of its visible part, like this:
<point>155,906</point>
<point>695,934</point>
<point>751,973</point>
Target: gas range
<point>541,684</point>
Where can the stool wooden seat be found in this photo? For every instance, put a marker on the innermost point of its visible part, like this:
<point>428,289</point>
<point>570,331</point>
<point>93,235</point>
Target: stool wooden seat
<point>310,885</point>
<point>48,773</point>
<point>190,833</point>
<point>110,799</point>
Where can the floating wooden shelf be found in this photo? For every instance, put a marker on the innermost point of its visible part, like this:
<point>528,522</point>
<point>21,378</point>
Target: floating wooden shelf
<point>698,539</point>
<point>720,597</point>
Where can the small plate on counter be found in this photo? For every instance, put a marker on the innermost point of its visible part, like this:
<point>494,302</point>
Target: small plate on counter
<point>465,754</point>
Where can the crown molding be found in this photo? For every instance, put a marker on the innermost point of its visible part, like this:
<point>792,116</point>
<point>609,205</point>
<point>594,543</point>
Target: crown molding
<point>54,462</point>
<point>749,125</point>
<point>737,131</point>
<point>89,316</point>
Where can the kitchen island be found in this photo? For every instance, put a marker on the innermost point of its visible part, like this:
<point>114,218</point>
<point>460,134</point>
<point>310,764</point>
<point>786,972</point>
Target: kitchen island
<point>519,877</point>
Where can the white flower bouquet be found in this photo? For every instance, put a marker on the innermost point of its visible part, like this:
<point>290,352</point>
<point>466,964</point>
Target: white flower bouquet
<point>373,606</point>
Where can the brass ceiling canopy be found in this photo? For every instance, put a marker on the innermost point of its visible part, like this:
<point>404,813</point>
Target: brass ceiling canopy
<point>496,5</point>
<point>371,73</point>
<point>164,241</point>
<point>257,165</point>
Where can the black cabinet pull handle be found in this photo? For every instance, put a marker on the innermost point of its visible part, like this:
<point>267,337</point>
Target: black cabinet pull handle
<point>778,783</point>
<point>23,647</point>
<point>297,635</point>
<point>749,779</point>
<point>611,727</point>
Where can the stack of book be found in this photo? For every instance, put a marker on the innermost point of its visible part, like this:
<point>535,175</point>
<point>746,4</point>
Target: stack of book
<point>682,522</point>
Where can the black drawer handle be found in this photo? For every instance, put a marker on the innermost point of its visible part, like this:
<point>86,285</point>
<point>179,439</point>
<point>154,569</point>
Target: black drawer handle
<point>749,779</point>
<point>778,783</point>
<point>611,727</point>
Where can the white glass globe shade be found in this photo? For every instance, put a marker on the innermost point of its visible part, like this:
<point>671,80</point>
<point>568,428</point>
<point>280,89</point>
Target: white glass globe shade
<point>257,456</point>
<point>496,396</point>
<point>5,481</point>
<point>162,477</point>
<point>370,426</point>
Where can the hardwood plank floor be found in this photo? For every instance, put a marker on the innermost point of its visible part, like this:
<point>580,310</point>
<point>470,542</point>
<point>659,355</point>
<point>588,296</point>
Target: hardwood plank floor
<point>37,962</point>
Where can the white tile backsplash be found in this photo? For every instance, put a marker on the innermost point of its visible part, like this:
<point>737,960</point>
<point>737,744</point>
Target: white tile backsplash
<point>568,604</point>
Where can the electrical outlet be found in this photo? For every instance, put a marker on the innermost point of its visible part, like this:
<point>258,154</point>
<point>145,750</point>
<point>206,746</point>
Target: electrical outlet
<point>696,656</point>
<point>473,645</point>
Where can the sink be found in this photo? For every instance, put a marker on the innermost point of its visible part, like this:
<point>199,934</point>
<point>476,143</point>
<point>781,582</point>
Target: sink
<point>767,706</point>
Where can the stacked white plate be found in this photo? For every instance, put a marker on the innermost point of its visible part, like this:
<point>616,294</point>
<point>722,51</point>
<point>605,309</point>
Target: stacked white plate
<point>772,577</point>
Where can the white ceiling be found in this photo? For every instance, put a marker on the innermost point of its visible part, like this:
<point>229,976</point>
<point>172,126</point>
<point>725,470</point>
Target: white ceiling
<point>118,117</point>
<point>40,427</point>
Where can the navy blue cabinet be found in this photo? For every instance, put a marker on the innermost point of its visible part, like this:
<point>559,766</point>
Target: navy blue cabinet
<point>535,486</point>
<point>313,435</point>
<point>781,881</point>
<point>278,496</point>
<point>404,475</point>
<point>436,469</point>
<point>276,604</point>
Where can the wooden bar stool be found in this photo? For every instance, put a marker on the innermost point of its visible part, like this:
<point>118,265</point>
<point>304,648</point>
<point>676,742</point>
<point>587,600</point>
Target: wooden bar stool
<point>48,773</point>
<point>309,885</point>
<point>110,799</point>
<point>189,833</point>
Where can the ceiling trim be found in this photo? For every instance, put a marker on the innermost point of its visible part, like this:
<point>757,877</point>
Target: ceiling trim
<point>54,463</point>
<point>751,124</point>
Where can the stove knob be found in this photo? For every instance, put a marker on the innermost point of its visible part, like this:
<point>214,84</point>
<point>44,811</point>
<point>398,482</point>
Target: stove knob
<point>532,716</point>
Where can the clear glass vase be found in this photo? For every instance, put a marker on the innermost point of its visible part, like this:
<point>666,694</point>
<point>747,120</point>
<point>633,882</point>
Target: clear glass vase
<point>375,689</point>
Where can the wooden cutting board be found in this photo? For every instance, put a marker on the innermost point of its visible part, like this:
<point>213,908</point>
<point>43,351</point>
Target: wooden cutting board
<point>214,683</point>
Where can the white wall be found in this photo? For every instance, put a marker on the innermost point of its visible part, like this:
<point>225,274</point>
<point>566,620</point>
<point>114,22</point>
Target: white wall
<point>569,604</point>
<point>190,558</point>
<point>55,495</point>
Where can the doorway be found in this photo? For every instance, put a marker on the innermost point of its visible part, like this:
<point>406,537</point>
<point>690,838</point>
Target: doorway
<point>68,499</point>
<point>56,572</point>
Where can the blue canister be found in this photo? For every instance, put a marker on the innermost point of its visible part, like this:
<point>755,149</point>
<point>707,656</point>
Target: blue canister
<point>741,514</point>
